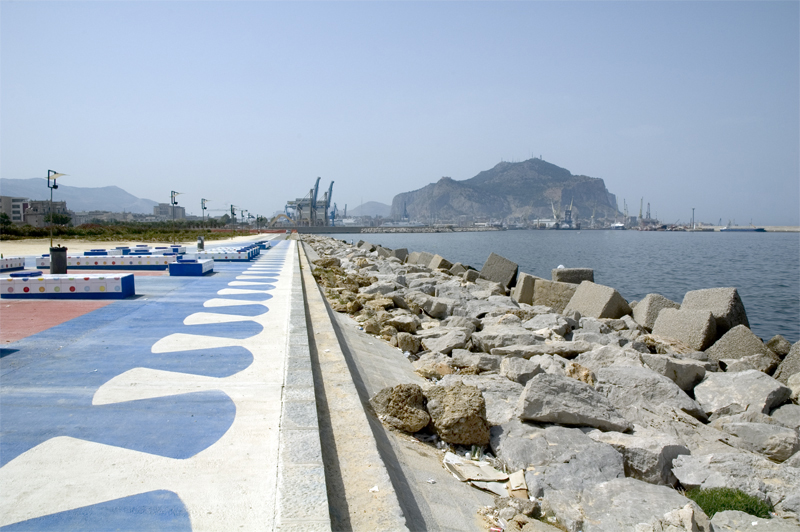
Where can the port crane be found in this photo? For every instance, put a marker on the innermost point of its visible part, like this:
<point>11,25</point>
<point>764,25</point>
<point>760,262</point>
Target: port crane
<point>309,210</point>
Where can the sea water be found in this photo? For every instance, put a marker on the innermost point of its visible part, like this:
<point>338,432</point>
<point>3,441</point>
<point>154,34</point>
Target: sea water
<point>764,267</point>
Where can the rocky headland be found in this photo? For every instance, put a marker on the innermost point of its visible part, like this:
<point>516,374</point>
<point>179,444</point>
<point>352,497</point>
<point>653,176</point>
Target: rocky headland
<point>586,411</point>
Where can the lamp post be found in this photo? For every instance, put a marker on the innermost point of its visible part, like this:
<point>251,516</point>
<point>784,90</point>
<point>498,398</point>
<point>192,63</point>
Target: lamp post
<point>52,174</point>
<point>233,216</point>
<point>203,210</point>
<point>173,201</point>
<point>244,220</point>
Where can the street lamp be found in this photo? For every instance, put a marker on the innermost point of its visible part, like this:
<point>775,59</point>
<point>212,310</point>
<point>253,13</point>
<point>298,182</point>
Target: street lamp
<point>203,210</point>
<point>244,220</point>
<point>173,201</point>
<point>233,216</point>
<point>52,174</point>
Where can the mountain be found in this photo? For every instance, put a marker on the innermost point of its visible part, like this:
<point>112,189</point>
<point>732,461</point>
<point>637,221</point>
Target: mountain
<point>78,199</point>
<point>523,191</point>
<point>370,208</point>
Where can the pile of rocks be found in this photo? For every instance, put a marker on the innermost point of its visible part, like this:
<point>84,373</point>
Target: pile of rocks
<point>607,406</point>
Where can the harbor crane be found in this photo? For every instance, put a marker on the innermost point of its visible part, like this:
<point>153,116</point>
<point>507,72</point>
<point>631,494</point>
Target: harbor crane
<point>309,210</point>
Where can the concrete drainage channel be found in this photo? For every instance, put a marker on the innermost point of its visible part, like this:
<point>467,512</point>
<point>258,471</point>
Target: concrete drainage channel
<point>360,493</point>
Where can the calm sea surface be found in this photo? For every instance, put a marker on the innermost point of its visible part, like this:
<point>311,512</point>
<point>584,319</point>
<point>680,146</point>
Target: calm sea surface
<point>764,267</point>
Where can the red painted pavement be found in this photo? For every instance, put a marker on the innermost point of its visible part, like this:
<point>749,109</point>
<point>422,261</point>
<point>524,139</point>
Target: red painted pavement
<point>20,318</point>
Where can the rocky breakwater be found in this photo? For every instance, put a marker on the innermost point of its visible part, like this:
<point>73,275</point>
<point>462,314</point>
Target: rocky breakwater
<point>602,410</point>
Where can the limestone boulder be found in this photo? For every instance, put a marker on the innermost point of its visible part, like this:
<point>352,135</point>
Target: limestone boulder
<point>648,309</point>
<point>458,413</point>
<point>558,399</point>
<point>403,322</point>
<point>555,322</point>
<point>434,365</point>
<point>779,345</point>
<point>557,348</point>
<point>731,393</point>
<point>749,472</point>
<point>793,383</point>
<point>724,304</point>
<point>499,394</point>
<point>500,270</point>
<point>630,504</point>
<point>775,442</point>
<point>594,325</point>
<point>598,301</point>
<point>572,275</point>
<point>790,364</point>
<point>695,328</point>
<point>630,386</point>
<point>481,361</point>
<point>553,294</point>
<point>763,363</point>
<point>468,324</point>
<point>735,521</point>
<point>407,342</point>
<point>787,415</point>
<point>453,339</point>
<point>737,343</point>
<point>607,356</point>
<point>519,369</point>
<point>686,373</point>
<point>646,458</point>
<point>523,290</point>
<point>402,407</point>
<point>502,335</point>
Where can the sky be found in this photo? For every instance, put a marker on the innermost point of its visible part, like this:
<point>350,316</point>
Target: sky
<point>686,104</point>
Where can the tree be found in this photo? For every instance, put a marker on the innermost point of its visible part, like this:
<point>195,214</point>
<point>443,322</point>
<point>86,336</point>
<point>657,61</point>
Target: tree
<point>5,221</point>
<point>224,220</point>
<point>58,219</point>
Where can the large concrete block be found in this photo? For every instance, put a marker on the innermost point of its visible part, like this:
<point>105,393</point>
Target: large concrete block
<point>572,275</point>
<point>401,254</point>
<point>598,301</point>
<point>424,258</point>
<point>724,303</point>
<point>439,262</point>
<point>500,270</point>
<point>737,343</point>
<point>552,294</point>
<point>412,257</point>
<point>471,275</point>
<point>646,311</point>
<point>384,252</point>
<point>457,269</point>
<point>695,328</point>
<point>366,246</point>
<point>523,290</point>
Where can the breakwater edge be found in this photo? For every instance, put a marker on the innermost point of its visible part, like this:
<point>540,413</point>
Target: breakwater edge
<point>589,406</point>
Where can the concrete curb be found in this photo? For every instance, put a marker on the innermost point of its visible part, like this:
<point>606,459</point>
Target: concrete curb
<point>302,501</point>
<point>361,495</point>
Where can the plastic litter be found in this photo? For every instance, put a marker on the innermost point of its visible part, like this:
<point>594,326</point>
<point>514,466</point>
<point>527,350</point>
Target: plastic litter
<point>431,481</point>
<point>373,489</point>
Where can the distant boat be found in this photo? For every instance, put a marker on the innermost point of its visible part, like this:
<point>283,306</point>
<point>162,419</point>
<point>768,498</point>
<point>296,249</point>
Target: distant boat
<point>618,226</point>
<point>743,229</point>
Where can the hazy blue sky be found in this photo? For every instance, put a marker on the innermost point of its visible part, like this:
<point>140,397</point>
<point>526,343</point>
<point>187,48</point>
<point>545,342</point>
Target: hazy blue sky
<point>687,104</point>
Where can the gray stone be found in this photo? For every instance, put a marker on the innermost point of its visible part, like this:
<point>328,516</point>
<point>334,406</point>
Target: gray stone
<point>383,252</point>
<point>629,386</point>
<point>732,393</point>
<point>438,307</point>
<point>482,361</point>
<point>645,458</point>
<point>381,287</point>
<point>594,325</point>
<point>453,339</point>
<point>630,504</point>
<point>736,521</point>
<point>763,363</point>
<point>500,270</point>
<point>724,303</point>
<point>407,342</point>
<point>686,373</point>
<point>608,356</point>
<point>403,322</point>
<point>561,349</point>
<point>458,413</point>
<point>554,322</point>
<point>366,246</point>
<point>468,324</point>
<point>787,415</point>
<point>790,364</point>
<point>736,343</point>
<point>519,370</point>
<point>775,442</point>
<point>555,365</point>
<point>400,254</point>
<point>555,399</point>
<point>499,393</point>
<point>600,339</point>
<point>598,301</point>
<point>694,328</point>
<point>552,294</point>
<point>647,310</point>
<point>434,365</point>
<point>779,345</point>
<point>439,262</point>
<point>793,383</point>
<point>572,275</point>
<point>523,290</point>
<point>751,473</point>
<point>502,335</point>
<point>423,258</point>
<point>402,407</point>
<point>471,275</point>
<point>457,269</point>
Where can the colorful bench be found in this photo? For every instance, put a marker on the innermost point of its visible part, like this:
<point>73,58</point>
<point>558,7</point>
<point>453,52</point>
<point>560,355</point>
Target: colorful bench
<point>113,262</point>
<point>188,267</point>
<point>45,286</point>
<point>10,264</point>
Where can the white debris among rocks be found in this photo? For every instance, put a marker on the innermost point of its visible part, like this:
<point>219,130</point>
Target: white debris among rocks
<point>606,408</point>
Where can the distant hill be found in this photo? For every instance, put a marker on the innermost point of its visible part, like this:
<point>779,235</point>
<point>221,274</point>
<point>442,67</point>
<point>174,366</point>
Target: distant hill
<point>523,191</point>
<point>112,198</point>
<point>370,208</point>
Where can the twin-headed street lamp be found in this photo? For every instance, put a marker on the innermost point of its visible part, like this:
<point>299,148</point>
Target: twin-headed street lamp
<point>52,174</point>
